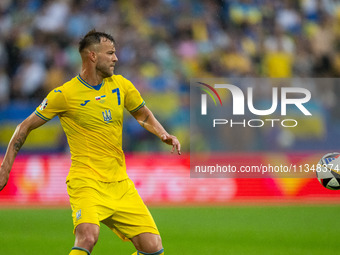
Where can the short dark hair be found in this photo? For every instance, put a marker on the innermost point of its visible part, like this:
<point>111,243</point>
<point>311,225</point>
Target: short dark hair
<point>93,37</point>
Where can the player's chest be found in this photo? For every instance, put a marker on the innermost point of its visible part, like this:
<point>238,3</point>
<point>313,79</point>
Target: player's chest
<point>93,108</point>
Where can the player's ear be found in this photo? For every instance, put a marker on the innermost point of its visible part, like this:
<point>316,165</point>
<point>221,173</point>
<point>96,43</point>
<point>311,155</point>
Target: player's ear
<point>93,56</point>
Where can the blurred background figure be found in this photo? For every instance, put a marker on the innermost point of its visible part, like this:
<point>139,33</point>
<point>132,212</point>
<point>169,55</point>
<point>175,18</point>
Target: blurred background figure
<point>162,44</point>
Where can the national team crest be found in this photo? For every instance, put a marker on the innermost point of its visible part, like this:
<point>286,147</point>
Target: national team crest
<point>107,116</point>
<point>43,104</point>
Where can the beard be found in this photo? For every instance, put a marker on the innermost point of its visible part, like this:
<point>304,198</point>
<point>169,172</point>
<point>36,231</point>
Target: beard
<point>105,70</point>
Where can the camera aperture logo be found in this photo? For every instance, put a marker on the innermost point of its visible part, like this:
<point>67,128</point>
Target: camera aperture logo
<point>300,97</point>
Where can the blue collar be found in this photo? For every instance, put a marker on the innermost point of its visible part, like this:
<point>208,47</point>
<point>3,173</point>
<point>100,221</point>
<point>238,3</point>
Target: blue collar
<point>96,87</point>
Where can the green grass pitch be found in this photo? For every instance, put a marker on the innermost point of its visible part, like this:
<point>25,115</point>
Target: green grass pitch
<point>186,231</point>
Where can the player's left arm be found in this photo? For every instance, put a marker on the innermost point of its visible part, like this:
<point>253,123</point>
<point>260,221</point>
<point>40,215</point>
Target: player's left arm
<point>148,121</point>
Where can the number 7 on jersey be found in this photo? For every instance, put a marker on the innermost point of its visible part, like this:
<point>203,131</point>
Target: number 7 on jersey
<point>118,94</point>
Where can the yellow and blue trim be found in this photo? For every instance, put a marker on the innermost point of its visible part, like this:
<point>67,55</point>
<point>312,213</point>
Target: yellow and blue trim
<point>41,116</point>
<point>81,249</point>
<point>140,106</point>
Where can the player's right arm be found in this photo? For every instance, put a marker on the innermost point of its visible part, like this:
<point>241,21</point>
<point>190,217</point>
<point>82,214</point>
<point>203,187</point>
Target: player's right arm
<point>53,104</point>
<point>16,142</point>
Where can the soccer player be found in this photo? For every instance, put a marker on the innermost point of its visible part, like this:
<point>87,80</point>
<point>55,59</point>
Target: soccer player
<point>90,108</point>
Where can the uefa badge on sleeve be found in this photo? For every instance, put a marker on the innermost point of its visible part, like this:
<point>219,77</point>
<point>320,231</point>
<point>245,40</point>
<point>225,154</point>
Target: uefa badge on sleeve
<point>43,104</point>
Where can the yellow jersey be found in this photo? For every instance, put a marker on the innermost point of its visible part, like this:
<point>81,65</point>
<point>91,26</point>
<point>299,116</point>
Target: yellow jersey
<point>92,119</point>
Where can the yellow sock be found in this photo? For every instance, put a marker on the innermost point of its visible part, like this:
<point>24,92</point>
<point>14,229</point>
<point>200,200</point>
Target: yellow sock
<point>79,251</point>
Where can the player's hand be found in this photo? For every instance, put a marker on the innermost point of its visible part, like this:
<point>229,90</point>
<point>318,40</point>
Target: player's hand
<point>172,140</point>
<point>4,175</point>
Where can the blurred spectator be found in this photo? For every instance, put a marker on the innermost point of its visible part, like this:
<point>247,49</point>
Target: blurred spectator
<point>323,46</point>
<point>52,16</point>
<point>304,59</point>
<point>245,11</point>
<point>29,78</point>
<point>278,57</point>
<point>288,17</point>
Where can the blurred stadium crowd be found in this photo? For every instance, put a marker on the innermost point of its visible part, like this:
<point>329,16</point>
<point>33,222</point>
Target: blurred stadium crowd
<point>161,44</point>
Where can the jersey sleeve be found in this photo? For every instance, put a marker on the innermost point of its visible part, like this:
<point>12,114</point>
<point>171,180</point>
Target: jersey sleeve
<point>54,104</point>
<point>133,100</point>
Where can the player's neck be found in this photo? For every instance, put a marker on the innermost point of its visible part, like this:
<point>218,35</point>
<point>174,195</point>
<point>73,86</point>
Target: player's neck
<point>91,78</point>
